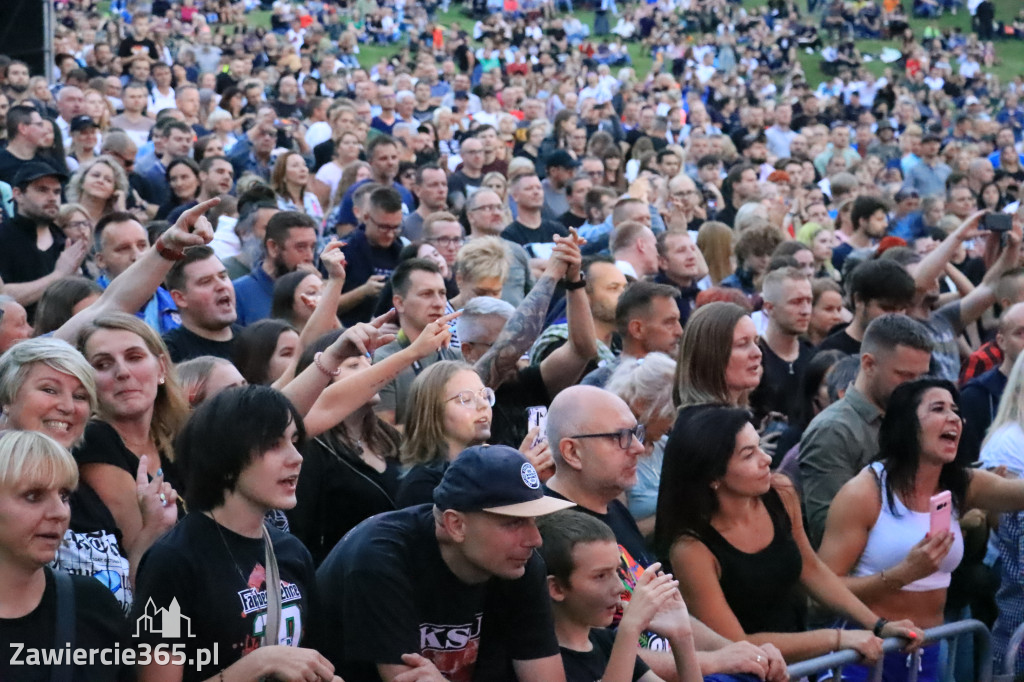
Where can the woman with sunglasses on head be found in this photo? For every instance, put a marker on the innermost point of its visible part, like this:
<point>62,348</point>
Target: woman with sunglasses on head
<point>733,534</point>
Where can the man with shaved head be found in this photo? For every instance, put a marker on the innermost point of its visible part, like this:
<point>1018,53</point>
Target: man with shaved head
<point>595,443</point>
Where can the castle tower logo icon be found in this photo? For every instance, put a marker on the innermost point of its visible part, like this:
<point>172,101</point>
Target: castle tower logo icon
<point>167,622</point>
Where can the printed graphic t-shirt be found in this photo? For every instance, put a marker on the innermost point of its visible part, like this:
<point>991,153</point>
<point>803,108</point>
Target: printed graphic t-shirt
<point>385,591</point>
<point>202,585</point>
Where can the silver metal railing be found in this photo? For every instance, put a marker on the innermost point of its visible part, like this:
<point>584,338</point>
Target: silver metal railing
<point>835,661</point>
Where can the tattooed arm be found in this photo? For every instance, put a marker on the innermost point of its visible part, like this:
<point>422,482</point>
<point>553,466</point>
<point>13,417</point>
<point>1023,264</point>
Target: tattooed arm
<point>564,366</point>
<point>499,364</point>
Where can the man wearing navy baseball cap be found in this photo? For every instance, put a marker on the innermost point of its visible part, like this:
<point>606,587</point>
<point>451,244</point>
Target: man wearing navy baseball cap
<point>454,590</point>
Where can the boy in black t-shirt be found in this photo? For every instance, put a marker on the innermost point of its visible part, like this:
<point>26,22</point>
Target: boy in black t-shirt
<point>582,559</point>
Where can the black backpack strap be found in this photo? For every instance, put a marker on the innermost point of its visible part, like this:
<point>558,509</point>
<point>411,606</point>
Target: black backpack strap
<point>65,627</point>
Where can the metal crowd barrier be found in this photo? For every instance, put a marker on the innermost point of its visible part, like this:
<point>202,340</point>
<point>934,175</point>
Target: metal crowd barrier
<point>835,661</point>
<point>1012,650</point>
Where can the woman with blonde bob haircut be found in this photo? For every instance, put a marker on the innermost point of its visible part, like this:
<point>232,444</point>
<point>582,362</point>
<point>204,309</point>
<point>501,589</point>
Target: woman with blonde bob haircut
<point>449,410</point>
<point>37,476</point>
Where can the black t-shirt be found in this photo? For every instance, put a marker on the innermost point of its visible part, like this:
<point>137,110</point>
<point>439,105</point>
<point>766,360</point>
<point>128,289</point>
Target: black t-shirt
<point>102,445</point>
<point>416,486</point>
<point>570,219</point>
<point>589,666</point>
<point>840,340</point>
<point>523,235</point>
<point>99,624</point>
<point>509,421</point>
<point>9,165</point>
<point>461,184</point>
<point>336,491</point>
<point>130,47</point>
<point>385,591</point>
<point>20,258</point>
<point>184,345</point>
<point>219,581</point>
<point>781,382</point>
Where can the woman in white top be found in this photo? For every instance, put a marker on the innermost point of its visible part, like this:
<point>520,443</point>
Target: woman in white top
<point>878,529</point>
<point>289,180</point>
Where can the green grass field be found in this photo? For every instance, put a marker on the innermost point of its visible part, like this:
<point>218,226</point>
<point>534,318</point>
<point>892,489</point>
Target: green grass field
<point>1009,53</point>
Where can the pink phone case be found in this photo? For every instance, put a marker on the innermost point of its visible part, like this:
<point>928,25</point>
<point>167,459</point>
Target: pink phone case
<point>940,507</point>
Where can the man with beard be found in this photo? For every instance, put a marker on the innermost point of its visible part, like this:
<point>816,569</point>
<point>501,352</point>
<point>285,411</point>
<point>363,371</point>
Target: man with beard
<point>870,221</point>
<point>33,251</point>
<point>17,82</point>
<point>784,351</point>
<point>290,242</point>
<point>120,241</point>
<point>201,289</point>
<point>604,283</point>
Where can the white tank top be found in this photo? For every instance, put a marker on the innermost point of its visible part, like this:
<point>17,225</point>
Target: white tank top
<point>895,534</point>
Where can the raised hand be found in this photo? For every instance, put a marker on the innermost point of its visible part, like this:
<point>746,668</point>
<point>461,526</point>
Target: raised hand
<point>191,229</point>
<point>333,260</point>
<point>158,501</point>
<point>434,336</point>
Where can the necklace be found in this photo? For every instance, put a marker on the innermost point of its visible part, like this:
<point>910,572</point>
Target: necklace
<point>224,540</point>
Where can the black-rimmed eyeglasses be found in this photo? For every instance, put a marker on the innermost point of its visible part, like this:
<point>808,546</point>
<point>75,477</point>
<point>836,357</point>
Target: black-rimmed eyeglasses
<point>625,436</point>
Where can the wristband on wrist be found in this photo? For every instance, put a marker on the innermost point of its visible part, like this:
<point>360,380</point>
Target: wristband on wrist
<point>167,252</point>
<point>573,286</point>
<point>879,626</point>
<point>320,366</point>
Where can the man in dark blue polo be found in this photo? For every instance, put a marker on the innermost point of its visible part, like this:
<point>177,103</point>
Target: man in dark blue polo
<point>371,255</point>
<point>290,242</point>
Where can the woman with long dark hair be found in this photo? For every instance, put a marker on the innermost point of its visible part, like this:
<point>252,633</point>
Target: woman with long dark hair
<point>733,534</point>
<point>878,530</point>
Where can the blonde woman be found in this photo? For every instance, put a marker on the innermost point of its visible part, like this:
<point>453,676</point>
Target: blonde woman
<point>716,241</point>
<point>140,409</point>
<point>497,183</point>
<point>100,186</point>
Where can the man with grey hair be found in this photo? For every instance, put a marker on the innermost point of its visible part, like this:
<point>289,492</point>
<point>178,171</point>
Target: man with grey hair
<point>405,104</point>
<point>595,444</point>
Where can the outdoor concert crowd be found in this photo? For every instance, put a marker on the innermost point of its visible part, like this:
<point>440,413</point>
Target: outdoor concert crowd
<point>499,357</point>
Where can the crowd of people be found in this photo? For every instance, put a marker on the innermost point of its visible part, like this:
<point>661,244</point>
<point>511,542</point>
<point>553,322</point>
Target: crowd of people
<point>498,359</point>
